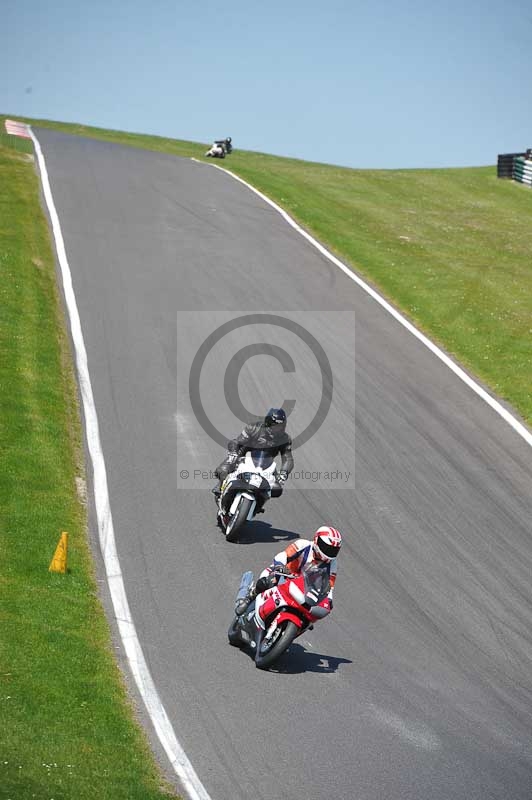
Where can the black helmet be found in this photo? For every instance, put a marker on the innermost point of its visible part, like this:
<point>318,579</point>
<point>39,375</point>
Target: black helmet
<point>276,417</point>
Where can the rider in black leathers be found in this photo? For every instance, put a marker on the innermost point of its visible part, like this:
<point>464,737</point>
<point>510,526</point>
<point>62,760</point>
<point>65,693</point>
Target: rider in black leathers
<point>268,435</point>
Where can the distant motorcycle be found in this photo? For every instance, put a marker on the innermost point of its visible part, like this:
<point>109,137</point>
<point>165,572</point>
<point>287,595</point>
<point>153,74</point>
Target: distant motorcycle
<point>220,148</point>
<point>245,491</point>
<point>269,624</point>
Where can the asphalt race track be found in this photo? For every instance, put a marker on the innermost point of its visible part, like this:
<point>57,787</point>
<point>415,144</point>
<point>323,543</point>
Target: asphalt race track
<point>419,685</point>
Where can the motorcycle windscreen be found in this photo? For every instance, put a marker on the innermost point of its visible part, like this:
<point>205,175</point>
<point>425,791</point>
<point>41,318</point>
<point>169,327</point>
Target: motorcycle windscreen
<point>262,459</point>
<point>317,582</point>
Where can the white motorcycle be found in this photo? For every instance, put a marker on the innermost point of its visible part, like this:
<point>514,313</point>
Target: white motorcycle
<point>245,491</point>
<point>220,148</point>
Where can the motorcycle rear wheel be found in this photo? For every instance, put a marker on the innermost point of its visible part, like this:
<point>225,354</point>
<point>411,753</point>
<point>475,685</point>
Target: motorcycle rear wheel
<point>266,657</point>
<point>238,519</point>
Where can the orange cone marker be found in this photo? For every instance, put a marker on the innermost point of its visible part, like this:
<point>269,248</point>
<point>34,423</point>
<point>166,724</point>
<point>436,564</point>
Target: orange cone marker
<point>59,561</point>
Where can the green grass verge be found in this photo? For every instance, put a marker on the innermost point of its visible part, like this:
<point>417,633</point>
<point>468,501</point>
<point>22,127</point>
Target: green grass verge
<point>67,726</point>
<point>15,142</point>
<point>451,248</point>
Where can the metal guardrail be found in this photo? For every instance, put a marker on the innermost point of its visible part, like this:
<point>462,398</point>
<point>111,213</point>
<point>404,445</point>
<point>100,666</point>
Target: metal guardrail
<point>517,166</point>
<point>522,170</point>
<point>505,164</point>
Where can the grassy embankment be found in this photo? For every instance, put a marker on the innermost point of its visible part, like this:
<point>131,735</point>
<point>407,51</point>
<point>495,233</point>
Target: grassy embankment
<point>451,248</point>
<point>66,726</point>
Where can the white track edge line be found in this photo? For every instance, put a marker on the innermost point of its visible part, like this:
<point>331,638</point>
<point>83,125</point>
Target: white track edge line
<point>491,401</point>
<point>137,662</point>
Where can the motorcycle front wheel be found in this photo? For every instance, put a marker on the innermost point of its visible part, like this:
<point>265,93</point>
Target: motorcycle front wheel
<point>238,519</point>
<point>269,651</point>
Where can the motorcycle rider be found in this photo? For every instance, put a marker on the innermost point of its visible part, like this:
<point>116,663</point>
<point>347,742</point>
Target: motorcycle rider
<point>225,143</point>
<point>302,554</point>
<point>269,434</point>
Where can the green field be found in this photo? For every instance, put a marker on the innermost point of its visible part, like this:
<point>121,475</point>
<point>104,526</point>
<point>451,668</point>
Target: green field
<point>451,248</point>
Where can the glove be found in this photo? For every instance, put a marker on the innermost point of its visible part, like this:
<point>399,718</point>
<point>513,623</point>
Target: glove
<point>263,584</point>
<point>231,458</point>
<point>283,477</point>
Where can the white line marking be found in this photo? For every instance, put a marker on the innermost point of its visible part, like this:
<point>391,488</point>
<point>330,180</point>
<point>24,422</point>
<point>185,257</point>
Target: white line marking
<point>415,733</point>
<point>139,668</point>
<point>494,404</point>
<point>184,429</point>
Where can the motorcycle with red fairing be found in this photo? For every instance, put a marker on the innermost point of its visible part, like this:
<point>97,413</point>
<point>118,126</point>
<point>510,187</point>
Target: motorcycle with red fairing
<point>268,623</point>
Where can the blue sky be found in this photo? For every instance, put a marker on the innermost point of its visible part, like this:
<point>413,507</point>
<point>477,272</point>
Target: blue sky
<point>356,83</point>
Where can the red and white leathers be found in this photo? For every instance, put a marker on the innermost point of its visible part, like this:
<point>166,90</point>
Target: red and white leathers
<point>298,556</point>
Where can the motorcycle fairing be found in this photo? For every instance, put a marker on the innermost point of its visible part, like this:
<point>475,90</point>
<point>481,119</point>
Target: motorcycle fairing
<point>260,462</point>
<point>262,459</point>
<point>271,609</point>
<point>254,475</point>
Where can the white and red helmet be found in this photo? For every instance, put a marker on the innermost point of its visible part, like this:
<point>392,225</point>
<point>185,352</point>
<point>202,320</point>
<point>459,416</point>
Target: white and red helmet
<point>327,543</point>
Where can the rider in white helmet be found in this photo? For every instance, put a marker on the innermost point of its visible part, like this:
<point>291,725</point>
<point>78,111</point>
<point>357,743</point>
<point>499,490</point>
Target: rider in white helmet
<point>301,554</point>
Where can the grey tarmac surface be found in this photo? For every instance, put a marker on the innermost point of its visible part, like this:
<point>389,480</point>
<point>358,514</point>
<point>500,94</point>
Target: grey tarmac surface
<point>419,685</point>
